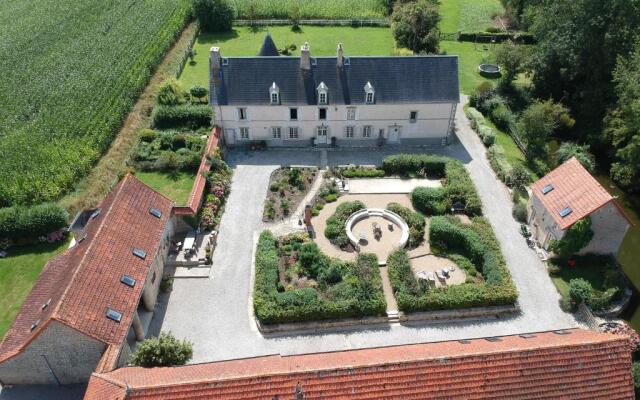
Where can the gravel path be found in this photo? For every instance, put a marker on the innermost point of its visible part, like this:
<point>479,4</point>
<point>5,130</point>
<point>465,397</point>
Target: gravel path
<point>216,313</point>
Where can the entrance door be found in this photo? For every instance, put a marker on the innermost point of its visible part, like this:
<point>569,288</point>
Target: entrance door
<point>321,137</point>
<point>394,134</point>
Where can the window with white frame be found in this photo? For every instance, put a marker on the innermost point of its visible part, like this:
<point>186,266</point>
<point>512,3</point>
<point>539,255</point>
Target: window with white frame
<point>322,114</point>
<point>276,132</point>
<point>323,91</point>
<point>366,131</point>
<point>369,93</point>
<point>322,130</point>
<point>348,132</point>
<point>242,114</point>
<point>351,113</point>
<point>274,92</point>
<point>294,132</point>
<point>244,133</point>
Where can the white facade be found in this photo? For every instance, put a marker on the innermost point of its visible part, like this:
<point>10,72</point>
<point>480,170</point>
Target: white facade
<point>427,123</point>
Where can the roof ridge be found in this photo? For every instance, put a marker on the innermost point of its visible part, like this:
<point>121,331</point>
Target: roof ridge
<point>602,338</point>
<point>56,312</point>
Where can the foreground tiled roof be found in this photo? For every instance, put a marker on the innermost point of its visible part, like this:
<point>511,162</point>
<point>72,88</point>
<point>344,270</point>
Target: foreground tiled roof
<point>82,282</point>
<point>574,187</point>
<point>576,364</point>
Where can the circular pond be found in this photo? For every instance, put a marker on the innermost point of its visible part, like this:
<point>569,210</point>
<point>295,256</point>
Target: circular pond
<point>377,231</point>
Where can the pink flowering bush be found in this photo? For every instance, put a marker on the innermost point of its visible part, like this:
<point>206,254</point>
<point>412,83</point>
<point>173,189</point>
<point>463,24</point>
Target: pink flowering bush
<point>625,329</point>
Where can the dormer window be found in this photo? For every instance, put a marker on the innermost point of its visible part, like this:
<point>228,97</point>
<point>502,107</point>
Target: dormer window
<point>323,95</point>
<point>274,94</point>
<point>369,93</point>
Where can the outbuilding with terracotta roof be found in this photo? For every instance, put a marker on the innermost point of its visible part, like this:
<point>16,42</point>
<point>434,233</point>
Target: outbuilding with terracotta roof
<point>86,301</point>
<point>569,194</point>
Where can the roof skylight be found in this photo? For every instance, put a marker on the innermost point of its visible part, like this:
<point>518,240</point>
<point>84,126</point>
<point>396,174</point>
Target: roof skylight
<point>96,213</point>
<point>139,253</point>
<point>565,211</point>
<point>547,188</point>
<point>114,315</point>
<point>155,212</point>
<point>127,280</point>
<point>45,305</point>
<point>34,325</point>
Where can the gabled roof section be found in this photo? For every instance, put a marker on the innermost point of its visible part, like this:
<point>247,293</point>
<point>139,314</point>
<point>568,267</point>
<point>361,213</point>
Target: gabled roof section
<point>269,48</point>
<point>84,281</point>
<point>570,191</point>
<point>576,364</point>
<point>397,80</point>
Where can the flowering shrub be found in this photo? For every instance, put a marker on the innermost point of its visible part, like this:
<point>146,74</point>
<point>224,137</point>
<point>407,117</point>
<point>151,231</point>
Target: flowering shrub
<point>622,328</point>
<point>218,191</point>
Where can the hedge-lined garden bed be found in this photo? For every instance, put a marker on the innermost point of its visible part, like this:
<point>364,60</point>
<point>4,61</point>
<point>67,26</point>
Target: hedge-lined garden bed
<point>287,188</point>
<point>296,282</point>
<point>473,244</point>
<point>414,220</point>
<point>335,229</point>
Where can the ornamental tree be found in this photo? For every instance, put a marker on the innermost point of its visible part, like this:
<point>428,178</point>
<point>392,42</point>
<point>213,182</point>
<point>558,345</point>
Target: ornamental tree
<point>162,351</point>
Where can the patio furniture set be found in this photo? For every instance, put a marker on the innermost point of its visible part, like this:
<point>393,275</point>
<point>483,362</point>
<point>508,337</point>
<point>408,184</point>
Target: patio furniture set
<point>442,274</point>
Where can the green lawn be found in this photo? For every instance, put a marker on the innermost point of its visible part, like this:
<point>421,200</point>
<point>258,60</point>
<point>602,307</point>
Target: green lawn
<point>18,272</point>
<point>323,41</point>
<point>468,15</point>
<point>176,188</point>
<point>471,56</point>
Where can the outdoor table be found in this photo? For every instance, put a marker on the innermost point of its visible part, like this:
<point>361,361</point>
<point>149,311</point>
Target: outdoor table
<point>189,241</point>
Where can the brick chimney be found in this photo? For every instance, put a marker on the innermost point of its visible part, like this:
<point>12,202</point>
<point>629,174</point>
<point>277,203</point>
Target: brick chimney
<point>215,58</point>
<point>340,55</point>
<point>305,57</point>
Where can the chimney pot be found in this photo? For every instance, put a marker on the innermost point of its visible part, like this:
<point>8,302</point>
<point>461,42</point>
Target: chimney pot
<point>305,57</point>
<point>216,59</point>
<point>340,55</point>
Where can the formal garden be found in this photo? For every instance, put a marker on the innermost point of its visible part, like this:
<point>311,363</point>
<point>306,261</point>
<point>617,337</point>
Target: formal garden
<point>287,188</point>
<point>440,253</point>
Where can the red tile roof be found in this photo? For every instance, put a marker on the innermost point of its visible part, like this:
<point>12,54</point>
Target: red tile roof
<point>579,364</point>
<point>82,282</point>
<point>197,191</point>
<point>574,187</point>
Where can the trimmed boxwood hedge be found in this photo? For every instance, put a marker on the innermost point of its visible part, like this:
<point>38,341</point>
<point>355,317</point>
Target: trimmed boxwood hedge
<point>414,220</point>
<point>457,184</point>
<point>475,242</point>
<point>17,223</point>
<point>335,230</point>
<point>358,294</point>
<point>192,116</point>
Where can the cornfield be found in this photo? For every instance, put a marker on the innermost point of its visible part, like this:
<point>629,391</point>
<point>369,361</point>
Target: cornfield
<point>329,9</point>
<point>69,73</point>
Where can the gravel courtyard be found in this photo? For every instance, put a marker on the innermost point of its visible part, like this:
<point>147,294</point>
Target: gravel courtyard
<point>216,313</point>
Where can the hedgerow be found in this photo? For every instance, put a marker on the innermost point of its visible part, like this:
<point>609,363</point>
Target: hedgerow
<point>31,222</point>
<point>65,95</point>
<point>335,229</point>
<point>191,116</point>
<point>474,244</point>
<point>414,220</point>
<point>350,289</point>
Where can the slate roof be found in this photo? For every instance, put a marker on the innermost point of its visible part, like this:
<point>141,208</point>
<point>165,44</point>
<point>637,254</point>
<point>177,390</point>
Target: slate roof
<point>396,80</point>
<point>269,48</point>
<point>574,187</point>
<point>83,281</point>
<point>576,364</point>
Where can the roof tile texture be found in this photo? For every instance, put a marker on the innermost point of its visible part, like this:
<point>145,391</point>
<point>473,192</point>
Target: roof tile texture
<point>84,281</point>
<point>578,365</point>
<point>574,187</point>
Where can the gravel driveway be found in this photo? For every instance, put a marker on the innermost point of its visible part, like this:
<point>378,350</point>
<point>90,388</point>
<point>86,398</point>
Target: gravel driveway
<point>215,313</point>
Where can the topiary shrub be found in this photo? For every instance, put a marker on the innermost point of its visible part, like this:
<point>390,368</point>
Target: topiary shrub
<point>580,291</point>
<point>170,93</point>
<point>162,351</point>
<point>475,117</point>
<point>520,212</point>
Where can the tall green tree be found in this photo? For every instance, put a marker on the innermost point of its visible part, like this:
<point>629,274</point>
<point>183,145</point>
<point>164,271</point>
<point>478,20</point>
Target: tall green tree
<point>214,15</point>
<point>622,124</point>
<point>415,25</point>
<point>578,45</point>
<point>513,59</point>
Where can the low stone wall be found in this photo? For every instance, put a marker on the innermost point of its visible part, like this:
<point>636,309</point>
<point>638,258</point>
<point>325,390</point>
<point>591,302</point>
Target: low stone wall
<point>452,315</point>
<point>435,316</point>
